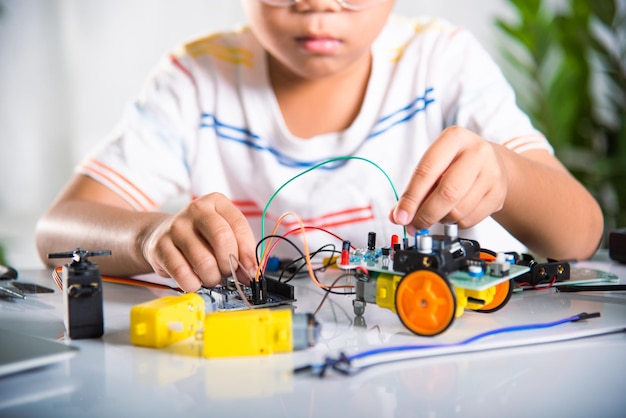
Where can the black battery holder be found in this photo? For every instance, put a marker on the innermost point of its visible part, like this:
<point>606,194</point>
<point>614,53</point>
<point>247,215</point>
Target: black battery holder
<point>543,273</point>
<point>617,245</point>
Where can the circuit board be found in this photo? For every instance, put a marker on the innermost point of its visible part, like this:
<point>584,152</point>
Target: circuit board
<point>374,261</point>
<point>228,298</point>
<point>463,279</point>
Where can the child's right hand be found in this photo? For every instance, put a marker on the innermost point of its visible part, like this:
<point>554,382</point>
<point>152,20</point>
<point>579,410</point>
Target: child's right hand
<point>460,179</point>
<point>194,246</point>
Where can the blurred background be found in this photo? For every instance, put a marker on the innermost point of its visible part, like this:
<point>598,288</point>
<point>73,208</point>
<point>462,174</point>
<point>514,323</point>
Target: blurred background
<point>68,68</point>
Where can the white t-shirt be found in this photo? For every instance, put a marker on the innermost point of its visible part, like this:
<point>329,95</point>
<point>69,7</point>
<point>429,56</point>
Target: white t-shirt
<point>208,120</point>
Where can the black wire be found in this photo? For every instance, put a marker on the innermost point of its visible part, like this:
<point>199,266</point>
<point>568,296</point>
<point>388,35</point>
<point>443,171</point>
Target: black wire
<point>302,257</point>
<point>591,288</point>
<point>278,237</point>
<point>311,256</point>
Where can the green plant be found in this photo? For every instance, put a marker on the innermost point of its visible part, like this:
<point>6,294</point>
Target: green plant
<point>568,66</point>
<point>3,259</point>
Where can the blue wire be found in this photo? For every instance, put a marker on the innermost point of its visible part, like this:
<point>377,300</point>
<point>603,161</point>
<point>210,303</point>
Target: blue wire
<point>347,359</point>
<point>515,328</point>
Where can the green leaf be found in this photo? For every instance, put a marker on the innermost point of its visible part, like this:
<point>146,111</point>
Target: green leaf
<point>605,10</point>
<point>569,65</point>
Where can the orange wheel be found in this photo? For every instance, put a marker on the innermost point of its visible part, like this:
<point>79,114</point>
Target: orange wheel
<point>425,302</point>
<point>504,291</point>
<point>487,254</point>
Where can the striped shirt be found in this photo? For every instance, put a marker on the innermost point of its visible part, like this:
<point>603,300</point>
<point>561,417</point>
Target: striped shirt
<point>207,120</point>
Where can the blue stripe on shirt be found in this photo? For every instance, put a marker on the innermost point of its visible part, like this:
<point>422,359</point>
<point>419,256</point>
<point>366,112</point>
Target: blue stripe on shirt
<point>249,139</point>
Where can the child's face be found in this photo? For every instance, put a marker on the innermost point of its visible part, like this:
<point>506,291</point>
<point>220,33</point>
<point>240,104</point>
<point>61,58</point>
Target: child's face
<point>316,38</point>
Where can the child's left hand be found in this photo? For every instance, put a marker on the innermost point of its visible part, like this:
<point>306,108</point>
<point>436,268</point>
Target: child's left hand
<point>460,179</point>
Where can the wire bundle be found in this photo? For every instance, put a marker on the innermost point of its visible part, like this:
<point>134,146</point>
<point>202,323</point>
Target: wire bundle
<point>345,364</point>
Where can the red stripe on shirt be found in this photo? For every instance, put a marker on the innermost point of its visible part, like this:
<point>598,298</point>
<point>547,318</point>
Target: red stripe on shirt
<point>125,180</point>
<point>181,67</point>
<point>324,218</point>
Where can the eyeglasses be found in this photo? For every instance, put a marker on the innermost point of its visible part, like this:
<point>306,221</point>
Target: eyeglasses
<point>350,4</point>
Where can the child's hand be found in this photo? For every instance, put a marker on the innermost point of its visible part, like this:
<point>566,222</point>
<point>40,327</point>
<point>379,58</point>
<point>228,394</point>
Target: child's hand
<point>460,179</point>
<point>194,246</point>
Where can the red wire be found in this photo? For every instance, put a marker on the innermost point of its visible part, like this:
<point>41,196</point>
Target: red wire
<point>306,228</point>
<point>269,250</point>
<point>539,287</point>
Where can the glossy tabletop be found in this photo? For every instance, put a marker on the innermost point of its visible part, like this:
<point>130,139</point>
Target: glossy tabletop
<point>570,370</point>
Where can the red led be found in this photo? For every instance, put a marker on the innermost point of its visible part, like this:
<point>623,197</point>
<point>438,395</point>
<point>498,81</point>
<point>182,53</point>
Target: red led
<point>345,257</point>
<point>394,240</point>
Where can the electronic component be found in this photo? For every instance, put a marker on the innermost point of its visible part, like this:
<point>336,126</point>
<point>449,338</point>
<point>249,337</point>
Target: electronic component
<point>258,332</point>
<point>549,272</point>
<point>167,320</point>
<point>617,245</point>
<point>82,294</point>
<point>170,319</point>
<point>433,281</point>
<point>227,297</point>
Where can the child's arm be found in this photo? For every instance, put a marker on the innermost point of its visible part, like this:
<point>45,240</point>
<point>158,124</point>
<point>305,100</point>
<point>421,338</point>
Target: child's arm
<point>463,179</point>
<point>193,246</point>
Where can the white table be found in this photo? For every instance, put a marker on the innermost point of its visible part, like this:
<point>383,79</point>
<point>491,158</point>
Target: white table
<point>109,377</point>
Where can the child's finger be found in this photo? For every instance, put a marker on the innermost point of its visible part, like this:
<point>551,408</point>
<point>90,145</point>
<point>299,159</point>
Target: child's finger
<point>428,171</point>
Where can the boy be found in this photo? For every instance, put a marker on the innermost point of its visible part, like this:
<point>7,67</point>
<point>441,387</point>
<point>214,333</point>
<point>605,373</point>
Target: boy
<point>231,118</point>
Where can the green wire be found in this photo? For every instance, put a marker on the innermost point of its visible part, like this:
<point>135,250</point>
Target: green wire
<point>346,157</point>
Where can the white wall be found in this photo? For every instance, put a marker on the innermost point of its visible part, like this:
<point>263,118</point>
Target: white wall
<point>67,68</point>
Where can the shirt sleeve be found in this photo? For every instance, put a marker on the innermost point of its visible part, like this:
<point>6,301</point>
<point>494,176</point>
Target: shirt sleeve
<point>483,100</point>
<point>145,160</point>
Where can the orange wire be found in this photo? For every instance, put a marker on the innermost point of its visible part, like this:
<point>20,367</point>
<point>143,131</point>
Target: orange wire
<point>307,228</point>
<point>305,244</point>
<point>57,272</point>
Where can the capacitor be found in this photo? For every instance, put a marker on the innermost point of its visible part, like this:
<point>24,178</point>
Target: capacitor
<point>345,253</point>
<point>451,230</point>
<point>371,241</point>
<point>425,244</point>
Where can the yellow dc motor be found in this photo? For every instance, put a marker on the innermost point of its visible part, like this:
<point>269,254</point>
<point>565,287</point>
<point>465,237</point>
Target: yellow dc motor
<point>170,319</point>
<point>167,320</point>
<point>257,332</point>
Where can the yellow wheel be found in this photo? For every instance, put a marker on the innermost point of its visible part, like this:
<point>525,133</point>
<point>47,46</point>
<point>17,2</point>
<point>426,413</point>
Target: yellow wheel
<point>504,290</point>
<point>425,302</point>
